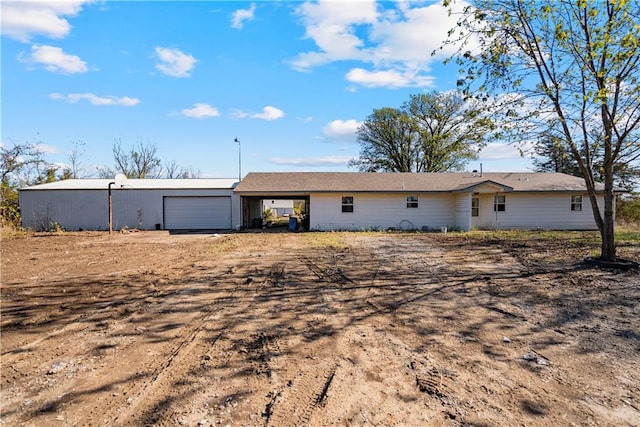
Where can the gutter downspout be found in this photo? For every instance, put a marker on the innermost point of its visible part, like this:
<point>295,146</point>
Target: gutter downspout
<point>110,209</point>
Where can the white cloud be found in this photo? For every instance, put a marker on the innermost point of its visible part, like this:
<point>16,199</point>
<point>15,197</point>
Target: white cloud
<point>241,15</point>
<point>174,62</point>
<point>332,25</point>
<point>341,129</point>
<point>200,111</point>
<point>46,149</point>
<point>393,40</point>
<point>388,78</point>
<point>55,59</point>
<point>412,34</point>
<point>73,98</point>
<point>502,151</point>
<point>269,113</point>
<point>22,20</point>
<point>239,114</point>
<point>312,161</point>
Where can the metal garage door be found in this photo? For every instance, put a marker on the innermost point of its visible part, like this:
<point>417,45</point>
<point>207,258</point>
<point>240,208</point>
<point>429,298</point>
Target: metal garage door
<point>197,213</point>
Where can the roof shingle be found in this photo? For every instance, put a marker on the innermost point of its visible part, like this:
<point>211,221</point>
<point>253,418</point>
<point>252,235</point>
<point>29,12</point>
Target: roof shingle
<point>313,182</point>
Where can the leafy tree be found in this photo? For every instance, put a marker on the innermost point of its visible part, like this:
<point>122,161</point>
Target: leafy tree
<point>575,61</point>
<point>553,155</point>
<point>20,165</point>
<point>387,142</point>
<point>449,131</point>
<point>432,132</point>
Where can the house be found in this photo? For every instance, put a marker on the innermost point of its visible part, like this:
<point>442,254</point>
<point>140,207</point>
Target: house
<point>426,201</point>
<point>146,204</point>
<point>332,201</point>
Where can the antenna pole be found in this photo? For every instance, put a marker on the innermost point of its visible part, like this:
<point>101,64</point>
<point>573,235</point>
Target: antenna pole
<point>239,160</point>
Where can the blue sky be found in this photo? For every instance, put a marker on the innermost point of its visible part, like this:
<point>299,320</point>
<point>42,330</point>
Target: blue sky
<point>290,80</point>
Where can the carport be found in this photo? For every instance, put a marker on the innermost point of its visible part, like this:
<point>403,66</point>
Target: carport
<point>252,208</point>
<point>258,187</point>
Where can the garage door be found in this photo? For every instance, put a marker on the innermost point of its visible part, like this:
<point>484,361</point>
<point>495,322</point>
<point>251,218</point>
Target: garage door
<point>197,213</point>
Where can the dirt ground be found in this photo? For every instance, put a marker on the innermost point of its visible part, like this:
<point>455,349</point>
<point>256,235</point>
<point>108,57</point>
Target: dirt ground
<point>320,329</point>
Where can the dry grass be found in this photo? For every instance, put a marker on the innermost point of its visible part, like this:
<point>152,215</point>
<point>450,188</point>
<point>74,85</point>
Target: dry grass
<point>322,240</point>
<point>8,232</point>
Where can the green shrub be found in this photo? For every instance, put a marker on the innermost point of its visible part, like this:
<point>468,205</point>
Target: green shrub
<point>628,209</point>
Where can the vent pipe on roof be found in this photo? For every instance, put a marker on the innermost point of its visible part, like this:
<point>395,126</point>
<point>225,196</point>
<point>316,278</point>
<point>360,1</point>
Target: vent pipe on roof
<point>480,170</point>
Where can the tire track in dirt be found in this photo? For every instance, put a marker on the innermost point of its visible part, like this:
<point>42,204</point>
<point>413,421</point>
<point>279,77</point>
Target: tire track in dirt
<point>154,400</point>
<point>48,387</point>
<point>83,322</point>
<point>301,400</point>
<point>176,361</point>
<point>258,350</point>
<point>330,272</point>
<point>294,404</point>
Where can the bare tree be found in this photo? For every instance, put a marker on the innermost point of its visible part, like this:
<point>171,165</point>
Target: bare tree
<point>139,162</point>
<point>173,170</point>
<point>76,160</point>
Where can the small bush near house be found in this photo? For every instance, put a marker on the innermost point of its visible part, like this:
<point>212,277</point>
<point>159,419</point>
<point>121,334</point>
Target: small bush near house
<point>9,207</point>
<point>628,209</point>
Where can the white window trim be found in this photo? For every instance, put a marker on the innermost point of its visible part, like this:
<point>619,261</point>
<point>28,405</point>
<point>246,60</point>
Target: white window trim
<point>573,204</point>
<point>343,205</point>
<point>496,204</point>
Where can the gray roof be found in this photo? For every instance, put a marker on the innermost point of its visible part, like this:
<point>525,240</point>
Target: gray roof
<point>146,184</point>
<point>314,182</point>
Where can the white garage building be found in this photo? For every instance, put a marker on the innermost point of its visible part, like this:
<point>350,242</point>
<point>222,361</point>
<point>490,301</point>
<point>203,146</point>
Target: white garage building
<point>145,204</point>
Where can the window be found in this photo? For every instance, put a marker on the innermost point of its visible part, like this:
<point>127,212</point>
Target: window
<point>347,204</point>
<point>499,203</point>
<point>576,203</point>
<point>475,206</point>
<point>412,201</point>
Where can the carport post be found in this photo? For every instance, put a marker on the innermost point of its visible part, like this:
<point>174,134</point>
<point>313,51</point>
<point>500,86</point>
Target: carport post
<point>110,210</point>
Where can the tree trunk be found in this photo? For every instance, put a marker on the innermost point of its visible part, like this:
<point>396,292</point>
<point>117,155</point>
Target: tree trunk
<point>608,252</point>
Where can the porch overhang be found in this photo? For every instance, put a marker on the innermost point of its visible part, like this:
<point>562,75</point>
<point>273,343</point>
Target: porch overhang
<point>487,186</point>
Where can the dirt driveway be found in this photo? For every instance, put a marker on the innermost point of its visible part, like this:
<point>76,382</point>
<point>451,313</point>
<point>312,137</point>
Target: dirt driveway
<point>315,329</point>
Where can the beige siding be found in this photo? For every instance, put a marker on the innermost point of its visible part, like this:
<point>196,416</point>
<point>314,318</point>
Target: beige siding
<point>463,211</point>
<point>536,211</point>
<point>381,211</point>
